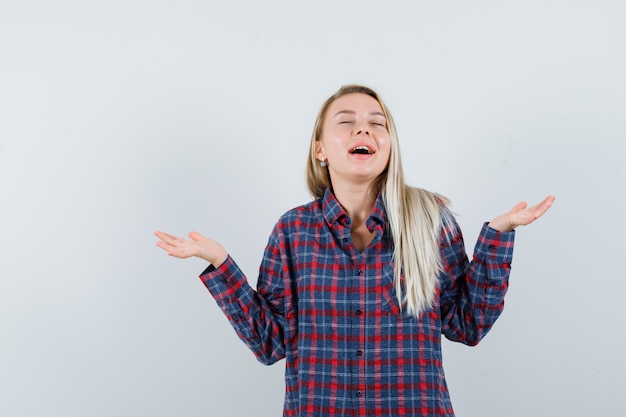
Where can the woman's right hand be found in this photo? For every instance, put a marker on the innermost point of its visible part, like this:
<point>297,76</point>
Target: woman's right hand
<point>197,245</point>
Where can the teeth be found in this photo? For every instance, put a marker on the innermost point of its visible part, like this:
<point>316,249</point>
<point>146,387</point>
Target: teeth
<point>361,150</point>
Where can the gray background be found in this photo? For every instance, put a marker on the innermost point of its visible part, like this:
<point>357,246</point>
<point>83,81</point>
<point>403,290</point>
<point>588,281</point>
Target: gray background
<point>118,118</point>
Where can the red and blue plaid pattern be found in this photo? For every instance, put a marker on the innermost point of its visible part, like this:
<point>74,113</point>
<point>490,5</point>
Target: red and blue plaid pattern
<point>332,312</point>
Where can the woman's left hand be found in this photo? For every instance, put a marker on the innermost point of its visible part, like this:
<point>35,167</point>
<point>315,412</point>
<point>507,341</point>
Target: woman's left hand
<point>521,215</point>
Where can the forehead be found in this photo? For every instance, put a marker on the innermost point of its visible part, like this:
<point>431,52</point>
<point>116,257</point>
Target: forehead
<point>354,102</point>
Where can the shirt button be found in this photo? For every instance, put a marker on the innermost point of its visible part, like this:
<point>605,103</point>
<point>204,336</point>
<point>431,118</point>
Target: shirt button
<point>359,393</point>
<point>358,312</point>
<point>358,272</point>
<point>359,352</point>
<point>492,247</point>
<point>345,240</point>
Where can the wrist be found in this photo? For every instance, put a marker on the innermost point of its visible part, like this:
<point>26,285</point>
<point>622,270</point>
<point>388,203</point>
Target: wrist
<point>216,259</point>
<point>501,226</point>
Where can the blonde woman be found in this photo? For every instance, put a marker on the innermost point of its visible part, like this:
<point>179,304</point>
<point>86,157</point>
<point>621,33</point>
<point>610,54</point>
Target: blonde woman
<point>357,287</point>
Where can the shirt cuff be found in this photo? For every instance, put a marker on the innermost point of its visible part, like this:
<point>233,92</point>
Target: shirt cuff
<point>225,280</point>
<point>494,246</point>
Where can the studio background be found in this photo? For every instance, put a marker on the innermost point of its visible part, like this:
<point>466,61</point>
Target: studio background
<point>119,118</point>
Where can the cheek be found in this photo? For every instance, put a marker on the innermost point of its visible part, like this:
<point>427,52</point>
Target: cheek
<point>384,145</point>
<point>330,134</point>
<point>328,145</point>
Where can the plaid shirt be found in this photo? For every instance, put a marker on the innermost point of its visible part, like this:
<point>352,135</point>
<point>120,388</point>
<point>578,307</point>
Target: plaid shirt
<point>332,312</point>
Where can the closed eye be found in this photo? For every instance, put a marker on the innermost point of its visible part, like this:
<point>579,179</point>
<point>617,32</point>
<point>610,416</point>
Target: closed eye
<point>378,121</point>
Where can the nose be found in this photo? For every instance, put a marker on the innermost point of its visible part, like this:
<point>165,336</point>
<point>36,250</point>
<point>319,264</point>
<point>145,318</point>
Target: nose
<point>362,131</point>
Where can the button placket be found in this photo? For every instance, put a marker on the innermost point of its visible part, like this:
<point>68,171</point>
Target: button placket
<point>358,354</point>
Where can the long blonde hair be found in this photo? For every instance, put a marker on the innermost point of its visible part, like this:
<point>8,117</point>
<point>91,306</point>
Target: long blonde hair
<point>415,216</point>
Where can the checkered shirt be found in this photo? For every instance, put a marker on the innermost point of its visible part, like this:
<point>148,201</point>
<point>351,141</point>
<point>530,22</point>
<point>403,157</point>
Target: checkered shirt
<point>333,314</point>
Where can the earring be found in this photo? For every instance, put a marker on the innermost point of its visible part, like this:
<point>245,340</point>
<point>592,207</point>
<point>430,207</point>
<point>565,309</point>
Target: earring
<point>323,164</point>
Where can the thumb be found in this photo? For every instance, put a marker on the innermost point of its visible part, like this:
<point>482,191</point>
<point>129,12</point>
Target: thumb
<point>519,206</point>
<point>195,236</point>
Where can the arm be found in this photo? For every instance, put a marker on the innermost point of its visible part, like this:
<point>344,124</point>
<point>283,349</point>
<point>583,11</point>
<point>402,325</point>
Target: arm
<point>472,294</point>
<point>256,316</point>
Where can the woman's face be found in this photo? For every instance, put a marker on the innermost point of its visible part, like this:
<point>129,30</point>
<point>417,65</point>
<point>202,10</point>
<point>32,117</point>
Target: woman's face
<point>355,142</point>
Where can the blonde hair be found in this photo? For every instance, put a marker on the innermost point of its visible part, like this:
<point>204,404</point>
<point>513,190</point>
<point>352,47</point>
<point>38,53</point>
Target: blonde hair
<point>415,216</point>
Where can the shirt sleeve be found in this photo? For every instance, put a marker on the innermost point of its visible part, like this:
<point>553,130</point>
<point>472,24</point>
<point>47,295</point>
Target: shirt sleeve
<point>256,316</point>
<point>472,293</point>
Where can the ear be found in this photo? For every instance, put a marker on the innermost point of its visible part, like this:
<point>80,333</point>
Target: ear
<point>319,151</point>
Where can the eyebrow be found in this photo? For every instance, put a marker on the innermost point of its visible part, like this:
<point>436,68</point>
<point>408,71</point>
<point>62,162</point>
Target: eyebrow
<point>373,113</point>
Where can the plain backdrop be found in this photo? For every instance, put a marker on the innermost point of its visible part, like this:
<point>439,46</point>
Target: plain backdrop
<point>118,118</point>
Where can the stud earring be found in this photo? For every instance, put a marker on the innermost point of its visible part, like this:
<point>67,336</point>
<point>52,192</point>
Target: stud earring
<point>323,164</point>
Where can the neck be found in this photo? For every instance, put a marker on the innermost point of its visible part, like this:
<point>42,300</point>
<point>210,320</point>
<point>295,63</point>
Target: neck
<point>357,201</point>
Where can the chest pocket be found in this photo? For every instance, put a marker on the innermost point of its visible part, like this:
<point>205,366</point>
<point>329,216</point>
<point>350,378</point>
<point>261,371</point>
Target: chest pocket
<point>389,296</point>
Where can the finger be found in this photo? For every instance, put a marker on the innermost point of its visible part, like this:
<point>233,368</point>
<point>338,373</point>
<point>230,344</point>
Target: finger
<point>519,206</point>
<point>161,235</point>
<point>175,251</point>
<point>528,216</point>
<point>167,248</point>
<point>542,207</point>
<point>170,239</point>
<point>548,201</point>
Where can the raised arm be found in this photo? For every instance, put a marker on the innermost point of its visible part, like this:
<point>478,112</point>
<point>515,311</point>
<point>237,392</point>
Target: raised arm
<point>256,316</point>
<point>472,293</point>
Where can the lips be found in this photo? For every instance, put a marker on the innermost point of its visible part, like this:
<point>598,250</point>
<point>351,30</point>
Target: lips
<point>361,150</point>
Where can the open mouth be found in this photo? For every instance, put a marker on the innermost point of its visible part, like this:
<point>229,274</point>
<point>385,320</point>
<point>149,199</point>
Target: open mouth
<point>361,150</point>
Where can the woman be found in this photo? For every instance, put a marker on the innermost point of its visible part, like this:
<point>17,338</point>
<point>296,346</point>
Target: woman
<point>356,288</point>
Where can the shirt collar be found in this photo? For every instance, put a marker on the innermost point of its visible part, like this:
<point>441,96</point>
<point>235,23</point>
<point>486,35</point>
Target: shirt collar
<point>378,213</point>
<point>333,212</point>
